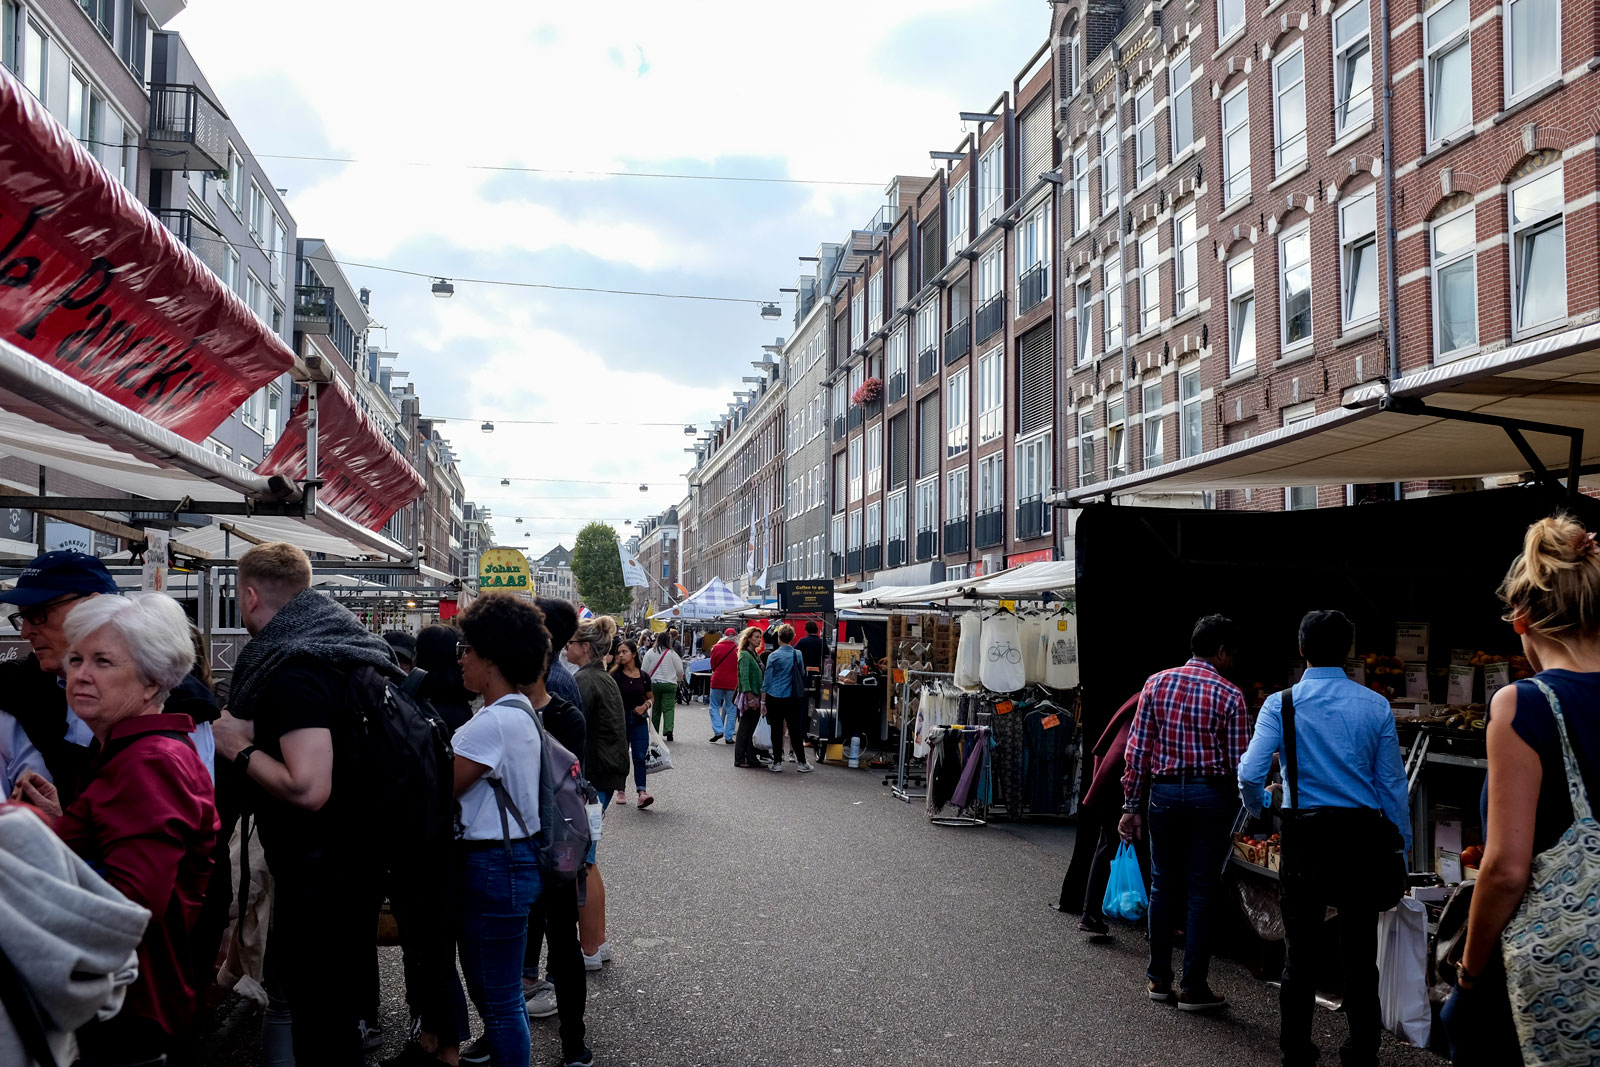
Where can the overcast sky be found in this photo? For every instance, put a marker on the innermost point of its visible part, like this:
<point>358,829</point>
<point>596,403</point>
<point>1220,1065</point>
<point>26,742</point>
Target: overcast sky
<point>836,90</point>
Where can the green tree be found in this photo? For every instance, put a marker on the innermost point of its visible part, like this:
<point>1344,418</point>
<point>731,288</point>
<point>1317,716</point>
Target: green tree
<point>597,568</point>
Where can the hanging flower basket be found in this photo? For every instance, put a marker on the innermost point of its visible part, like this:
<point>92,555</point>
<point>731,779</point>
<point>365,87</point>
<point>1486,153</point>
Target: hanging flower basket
<point>868,391</point>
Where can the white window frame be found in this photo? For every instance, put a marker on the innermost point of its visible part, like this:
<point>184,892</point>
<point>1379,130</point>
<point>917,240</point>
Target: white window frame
<point>1225,27</point>
<point>1151,423</point>
<point>1116,435</point>
<point>1035,478</point>
<point>991,273</point>
<point>991,394</point>
<point>1144,135</point>
<point>1081,216</point>
<point>1149,280</point>
<point>858,321</point>
<point>1293,416</point>
<point>1033,244</point>
<point>874,533</point>
<point>874,458</point>
<point>1531,227</point>
<point>958,436</point>
<point>1112,302</point>
<point>874,302</point>
<point>927,504</point>
<point>928,327</point>
<point>1180,100</point>
<point>895,523</point>
<point>279,253</point>
<point>956,212</point>
<point>853,469</point>
<point>1110,169</point>
<point>956,489</point>
<point>992,482</point>
<point>894,359</point>
<point>1084,297</point>
<point>1435,52</point>
<point>1186,258</point>
<point>1236,148</point>
<point>1190,397</point>
<point>230,267</point>
<point>1291,153</point>
<point>991,184</point>
<point>1241,294</point>
<point>1508,22</point>
<point>854,531</point>
<point>1350,110</point>
<point>1448,261</point>
<point>258,213</point>
<point>1085,447</point>
<point>1357,242</point>
<point>1284,269</point>
<point>33,65</point>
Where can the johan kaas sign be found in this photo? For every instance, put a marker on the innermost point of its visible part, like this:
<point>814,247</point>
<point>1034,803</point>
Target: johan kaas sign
<point>504,570</point>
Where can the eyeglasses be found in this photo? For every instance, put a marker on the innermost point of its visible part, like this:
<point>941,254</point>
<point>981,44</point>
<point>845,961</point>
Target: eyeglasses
<point>36,615</point>
<point>462,648</point>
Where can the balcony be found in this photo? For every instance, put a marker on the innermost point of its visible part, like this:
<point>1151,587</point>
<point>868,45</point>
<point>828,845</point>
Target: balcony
<point>1031,289</point>
<point>856,416</point>
<point>955,536</point>
<point>897,552</point>
<point>872,408</point>
<point>897,386</point>
<point>989,528</point>
<point>187,129</point>
<point>838,427</point>
<point>313,309</point>
<point>991,316</point>
<point>927,544</point>
<point>201,238</point>
<point>958,342</point>
<point>852,561</point>
<point>1033,518</point>
<point>927,363</point>
<point>837,564</point>
<point>872,558</point>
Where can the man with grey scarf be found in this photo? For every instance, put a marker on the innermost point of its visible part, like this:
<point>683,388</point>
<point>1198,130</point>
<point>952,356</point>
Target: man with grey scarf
<point>290,730</point>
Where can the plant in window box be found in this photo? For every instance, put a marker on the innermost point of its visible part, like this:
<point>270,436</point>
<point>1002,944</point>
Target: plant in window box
<point>867,391</point>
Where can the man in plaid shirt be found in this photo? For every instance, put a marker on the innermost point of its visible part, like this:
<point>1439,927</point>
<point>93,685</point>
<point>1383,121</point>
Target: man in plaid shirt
<point>1188,736</point>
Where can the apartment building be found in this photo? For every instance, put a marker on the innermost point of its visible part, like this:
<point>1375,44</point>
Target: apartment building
<point>807,366</point>
<point>552,575</point>
<point>656,548</point>
<point>479,534</point>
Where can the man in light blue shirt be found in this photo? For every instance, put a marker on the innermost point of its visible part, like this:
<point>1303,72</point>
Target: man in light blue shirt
<point>1348,767</point>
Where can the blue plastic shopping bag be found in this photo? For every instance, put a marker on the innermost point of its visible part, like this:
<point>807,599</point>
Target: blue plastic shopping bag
<point>1125,897</point>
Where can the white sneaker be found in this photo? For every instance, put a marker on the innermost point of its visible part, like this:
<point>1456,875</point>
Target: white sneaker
<point>542,1004</point>
<point>605,952</point>
<point>804,768</point>
<point>593,963</point>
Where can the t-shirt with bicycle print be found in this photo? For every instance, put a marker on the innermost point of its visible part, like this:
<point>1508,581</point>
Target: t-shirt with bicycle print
<point>1001,670</point>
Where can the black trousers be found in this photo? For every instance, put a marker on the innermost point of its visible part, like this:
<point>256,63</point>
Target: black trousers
<point>788,712</point>
<point>423,907</point>
<point>744,751</point>
<point>1350,941</point>
<point>554,919</point>
<point>322,932</point>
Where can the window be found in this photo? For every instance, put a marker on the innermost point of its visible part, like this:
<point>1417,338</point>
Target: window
<point>77,107</point>
<point>34,72</point>
<point>928,326</point>
<point>255,295</point>
<point>1110,167</point>
<point>1080,191</point>
<point>258,214</point>
<point>1150,408</point>
<point>1236,145</point>
<point>875,302</point>
<point>230,267</point>
<point>875,524</point>
<point>274,412</point>
<point>874,459</point>
<point>135,34</point>
<point>1358,256</point>
<point>991,396</point>
<point>250,412</point>
<point>1033,244</point>
<point>991,482</point>
<point>956,399</point>
<point>1294,297</point>
<point>894,361</point>
<point>102,14</point>
<point>1085,448</point>
<point>991,184</point>
<point>897,516</point>
<point>1112,311</point>
<point>1189,409</point>
<point>1453,242</point>
<point>1242,312</point>
<point>235,186</point>
<point>858,321</point>
<point>1289,110</point>
<point>1447,39</point>
<point>928,505</point>
<point>955,495</point>
<point>279,251</point>
<point>1533,45</point>
<point>956,212</point>
<point>1352,68</point>
<point>989,273</point>
<point>1230,17</point>
<point>840,481</point>
<point>1144,135</point>
<point>836,532</point>
<point>1033,471</point>
<point>1116,437</point>
<point>1538,251</point>
<point>1299,497</point>
<point>1150,280</point>
<point>1083,322</point>
<point>1186,259</point>
<point>1180,78</point>
<point>8,35</point>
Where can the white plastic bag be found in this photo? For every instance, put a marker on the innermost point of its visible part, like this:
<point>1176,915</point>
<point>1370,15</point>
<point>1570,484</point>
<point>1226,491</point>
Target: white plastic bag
<point>657,756</point>
<point>763,734</point>
<point>1002,654</point>
<point>969,651</point>
<point>1403,972</point>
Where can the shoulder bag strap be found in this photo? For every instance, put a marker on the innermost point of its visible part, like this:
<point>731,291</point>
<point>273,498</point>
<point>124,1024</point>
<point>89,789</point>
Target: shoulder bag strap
<point>1575,790</point>
<point>660,659</point>
<point>413,682</point>
<point>502,797</point>
<point>1292,764</point>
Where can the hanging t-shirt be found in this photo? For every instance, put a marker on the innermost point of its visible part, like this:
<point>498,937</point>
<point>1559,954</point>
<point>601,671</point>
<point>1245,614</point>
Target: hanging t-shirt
<point>969,651</point>
<point>504,739</point>
<point>1061,657</point>
<point>1002,671</point>
<point>1033,652</point>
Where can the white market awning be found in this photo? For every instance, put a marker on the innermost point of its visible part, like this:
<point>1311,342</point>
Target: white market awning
<point>1380,434</point>
<point>1030,581</point>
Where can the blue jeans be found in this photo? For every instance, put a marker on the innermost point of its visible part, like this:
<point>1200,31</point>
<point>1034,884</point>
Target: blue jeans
<point>1189,825</point>
<point>639,742</point>
<point>605,802</point>
<point>496,892</point>
<point>724,719</point>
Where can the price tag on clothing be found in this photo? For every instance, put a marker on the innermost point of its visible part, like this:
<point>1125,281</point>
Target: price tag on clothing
<point>1061,626</point>
<point>1003,708</point>
<point>1050,722</point>
<point>1008,605</point>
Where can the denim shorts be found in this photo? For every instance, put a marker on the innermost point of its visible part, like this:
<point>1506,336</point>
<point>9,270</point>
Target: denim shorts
<point>605,802</point>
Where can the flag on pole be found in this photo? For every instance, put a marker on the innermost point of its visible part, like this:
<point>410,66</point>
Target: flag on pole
<point>584,612</point>
<point>633,574</point>
<point>750,562</point>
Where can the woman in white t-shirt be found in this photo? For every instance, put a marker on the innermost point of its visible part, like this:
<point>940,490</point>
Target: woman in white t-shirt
<point>505,646</point>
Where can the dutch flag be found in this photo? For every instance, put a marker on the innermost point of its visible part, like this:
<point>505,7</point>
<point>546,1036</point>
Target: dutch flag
<point>584,612</point>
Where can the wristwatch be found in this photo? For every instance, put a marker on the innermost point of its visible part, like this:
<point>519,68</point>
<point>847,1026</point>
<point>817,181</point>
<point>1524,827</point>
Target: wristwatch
<point>242,760</point>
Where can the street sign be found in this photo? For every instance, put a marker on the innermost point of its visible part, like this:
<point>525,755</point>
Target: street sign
<point>814,596</point>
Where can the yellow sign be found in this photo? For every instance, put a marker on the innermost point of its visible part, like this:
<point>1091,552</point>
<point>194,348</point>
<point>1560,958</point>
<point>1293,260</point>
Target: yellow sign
<point>658,626</point>
<point>504,570</point>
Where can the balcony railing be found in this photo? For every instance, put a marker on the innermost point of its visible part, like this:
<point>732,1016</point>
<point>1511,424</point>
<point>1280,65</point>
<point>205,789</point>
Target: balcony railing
<point>838,564</point>
<point>958,341</point>
<point>852,561</point>
<point>188,129</point>
<point>313,309</point>
<point>989,528</point>
<point>955,536</point>
<point>872,558</point>
<point>838,427</point>
<point>991,316</point>
<point>872,408</point>
<point>1030,290</point>
<point>1033,518</point>
<point>856,415</point>
<point>927,544</point>
<point>927,363</point>
<point>897,386</point>
<point>897,552</point>
<point>202,238</point>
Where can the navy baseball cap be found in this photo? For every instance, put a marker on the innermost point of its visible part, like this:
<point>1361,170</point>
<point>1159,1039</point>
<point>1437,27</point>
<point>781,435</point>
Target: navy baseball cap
<point>58,574</point>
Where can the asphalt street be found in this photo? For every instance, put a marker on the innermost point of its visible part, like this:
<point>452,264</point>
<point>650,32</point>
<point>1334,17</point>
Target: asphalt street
<point>787,919</point>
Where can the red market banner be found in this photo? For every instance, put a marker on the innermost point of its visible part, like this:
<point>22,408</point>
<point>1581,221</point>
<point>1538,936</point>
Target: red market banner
<point>1044,555</point>
<point>94,285</point>
<point>365,478</point>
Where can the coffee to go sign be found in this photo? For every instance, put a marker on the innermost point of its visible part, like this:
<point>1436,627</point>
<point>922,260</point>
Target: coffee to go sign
<point>504,570</point>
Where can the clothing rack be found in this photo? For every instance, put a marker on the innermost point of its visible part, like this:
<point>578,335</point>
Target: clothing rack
<point>978,810</point>
<point>903,779</point>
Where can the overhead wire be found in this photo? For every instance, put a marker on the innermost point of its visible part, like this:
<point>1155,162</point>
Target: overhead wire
<point>505,168</point>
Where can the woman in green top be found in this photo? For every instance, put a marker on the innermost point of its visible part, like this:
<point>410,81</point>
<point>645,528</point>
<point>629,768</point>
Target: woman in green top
<point>748,697</point>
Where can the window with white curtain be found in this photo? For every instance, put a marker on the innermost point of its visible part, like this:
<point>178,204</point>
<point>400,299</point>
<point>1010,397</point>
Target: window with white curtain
<point>1538,251</point>
<point>955,495</point>
<point>1116,436</point>
<point>991,482</point>
<point>1189,409</point>
<point>1358,256</point>
<point>1447,39</point>
<point>1352,67</point>
<point>1533,45</point>
<point>858,321</point>
<point>1453,247</point>
<point>875,302</point>
<point>853,468</point>
<point>1230,17</point>
<point>1085,448</point>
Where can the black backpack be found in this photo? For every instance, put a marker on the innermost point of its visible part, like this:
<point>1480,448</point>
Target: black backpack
<point>405,762</point>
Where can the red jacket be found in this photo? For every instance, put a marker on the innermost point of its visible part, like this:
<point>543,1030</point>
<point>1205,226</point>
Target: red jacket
<point>146,821</point>
<point>725,664</point>
<point>1110,760</point>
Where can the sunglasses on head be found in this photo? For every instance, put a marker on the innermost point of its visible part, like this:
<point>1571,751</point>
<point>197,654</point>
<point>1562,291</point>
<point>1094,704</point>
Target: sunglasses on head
<point>36,615</point>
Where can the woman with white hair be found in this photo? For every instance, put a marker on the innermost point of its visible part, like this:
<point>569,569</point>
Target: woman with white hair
<point>147,818</point>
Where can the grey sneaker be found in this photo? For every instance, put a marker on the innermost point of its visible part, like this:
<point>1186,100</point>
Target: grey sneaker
<point>804,768</point>
<point>477,1052</point>
<point>776,767</point>
<point>542,1004</point>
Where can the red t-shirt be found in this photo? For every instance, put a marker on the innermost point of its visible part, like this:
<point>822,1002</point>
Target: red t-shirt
<point>725,664</point>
